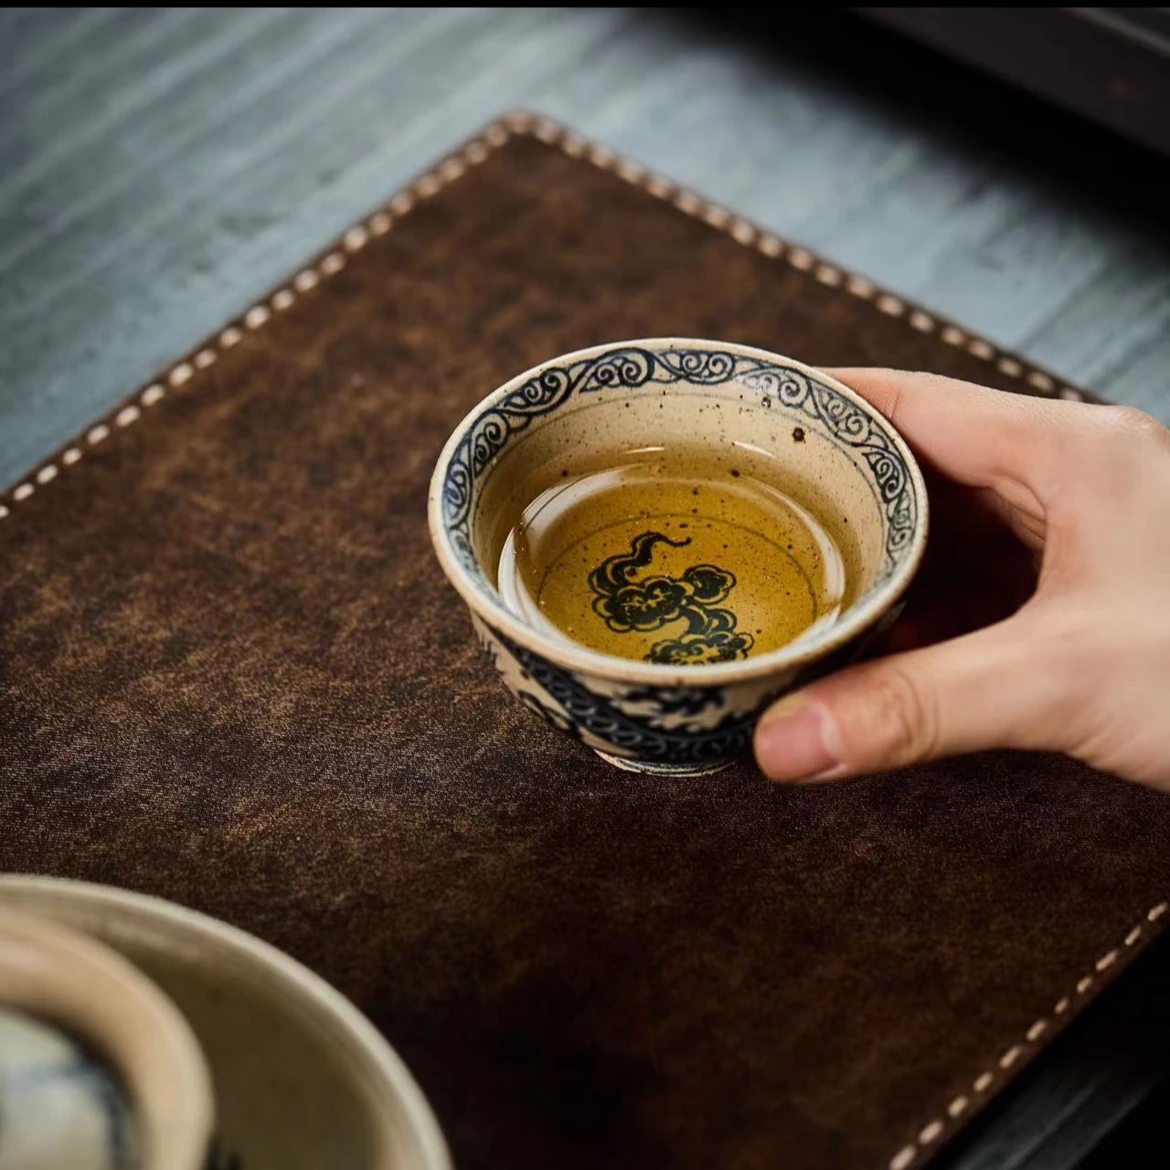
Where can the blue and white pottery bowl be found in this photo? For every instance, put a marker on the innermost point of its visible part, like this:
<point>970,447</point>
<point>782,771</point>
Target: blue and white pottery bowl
<point>98,1069</point>
<point>61,1105</point>
<point>832,446</point>
<point>294,1075</point>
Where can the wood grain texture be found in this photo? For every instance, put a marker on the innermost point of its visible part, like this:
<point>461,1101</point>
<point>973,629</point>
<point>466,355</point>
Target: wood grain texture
<point>159,168</point>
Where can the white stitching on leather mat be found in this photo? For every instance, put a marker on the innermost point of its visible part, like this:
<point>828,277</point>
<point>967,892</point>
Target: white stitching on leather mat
<point>450,169</point>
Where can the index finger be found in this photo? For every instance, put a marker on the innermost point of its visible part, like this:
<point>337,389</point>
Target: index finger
<point>971,433</point>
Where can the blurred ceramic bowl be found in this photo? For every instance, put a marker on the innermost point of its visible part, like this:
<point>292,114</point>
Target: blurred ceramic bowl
<point>98,1069</point>
<point>301,1079</point>
<point>724,401</point>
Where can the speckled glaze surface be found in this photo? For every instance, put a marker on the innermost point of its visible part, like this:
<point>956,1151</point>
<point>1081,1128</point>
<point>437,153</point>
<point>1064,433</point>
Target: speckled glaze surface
<point>741,406</point>
<point>301,1079</point>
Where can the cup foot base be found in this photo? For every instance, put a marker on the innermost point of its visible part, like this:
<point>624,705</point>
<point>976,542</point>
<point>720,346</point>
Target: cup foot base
<point>652,769</point>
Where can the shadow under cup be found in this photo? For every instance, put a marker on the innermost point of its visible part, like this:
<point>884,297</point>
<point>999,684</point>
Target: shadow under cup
<point>728,411</point>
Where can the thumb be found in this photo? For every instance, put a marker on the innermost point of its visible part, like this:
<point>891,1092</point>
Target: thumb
<point>985,690</point>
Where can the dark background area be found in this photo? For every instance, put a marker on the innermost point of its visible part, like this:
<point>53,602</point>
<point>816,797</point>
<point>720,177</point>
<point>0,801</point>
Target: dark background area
<point>160,168</point>
<point>1111,65</point>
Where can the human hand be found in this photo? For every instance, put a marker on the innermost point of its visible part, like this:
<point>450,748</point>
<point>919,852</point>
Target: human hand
<point>1051,520</point>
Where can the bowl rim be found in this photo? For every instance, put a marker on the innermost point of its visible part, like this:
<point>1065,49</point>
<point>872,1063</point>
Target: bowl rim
<point>83,988</point>
<point>109,914</point>
<point>580,659</point>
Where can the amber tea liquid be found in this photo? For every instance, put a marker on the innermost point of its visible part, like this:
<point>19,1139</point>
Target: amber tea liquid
<point>671,558</point>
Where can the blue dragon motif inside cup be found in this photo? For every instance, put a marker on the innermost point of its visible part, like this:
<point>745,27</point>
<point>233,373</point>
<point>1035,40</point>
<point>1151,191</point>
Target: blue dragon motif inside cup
<point>650,603</point>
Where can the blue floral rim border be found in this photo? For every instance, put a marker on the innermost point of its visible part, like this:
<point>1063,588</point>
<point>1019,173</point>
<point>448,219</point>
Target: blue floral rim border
<point>632,368</point>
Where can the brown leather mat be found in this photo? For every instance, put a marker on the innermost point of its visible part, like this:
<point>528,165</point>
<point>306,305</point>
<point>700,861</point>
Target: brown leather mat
<point>233,675</point>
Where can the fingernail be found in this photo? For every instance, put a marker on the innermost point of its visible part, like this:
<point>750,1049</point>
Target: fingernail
<point>797,739</point>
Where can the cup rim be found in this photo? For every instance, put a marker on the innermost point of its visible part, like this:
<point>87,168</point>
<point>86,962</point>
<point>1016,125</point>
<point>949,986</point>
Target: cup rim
<point>580,659</point>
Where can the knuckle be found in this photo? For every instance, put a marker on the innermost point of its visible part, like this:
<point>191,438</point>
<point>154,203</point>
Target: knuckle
<point>894,406</point>
<point>1131,424</point>
<point>904,720</point>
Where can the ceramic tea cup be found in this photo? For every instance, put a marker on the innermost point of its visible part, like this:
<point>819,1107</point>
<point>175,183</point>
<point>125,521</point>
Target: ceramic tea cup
<point>98,1069</point>
<point>686,703</point>
<point>301,1080</point>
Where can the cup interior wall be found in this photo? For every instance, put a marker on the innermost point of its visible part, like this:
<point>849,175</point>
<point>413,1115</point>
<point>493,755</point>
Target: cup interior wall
<point>725,424</point>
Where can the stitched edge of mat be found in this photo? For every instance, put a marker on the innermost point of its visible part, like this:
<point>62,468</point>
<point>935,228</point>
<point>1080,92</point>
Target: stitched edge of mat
<point>333,259</point>
<point>453,167</point>
<point>1014,1059</point>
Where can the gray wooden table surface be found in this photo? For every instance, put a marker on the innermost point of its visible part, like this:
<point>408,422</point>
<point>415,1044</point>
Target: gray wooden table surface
<point>160,168</point>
